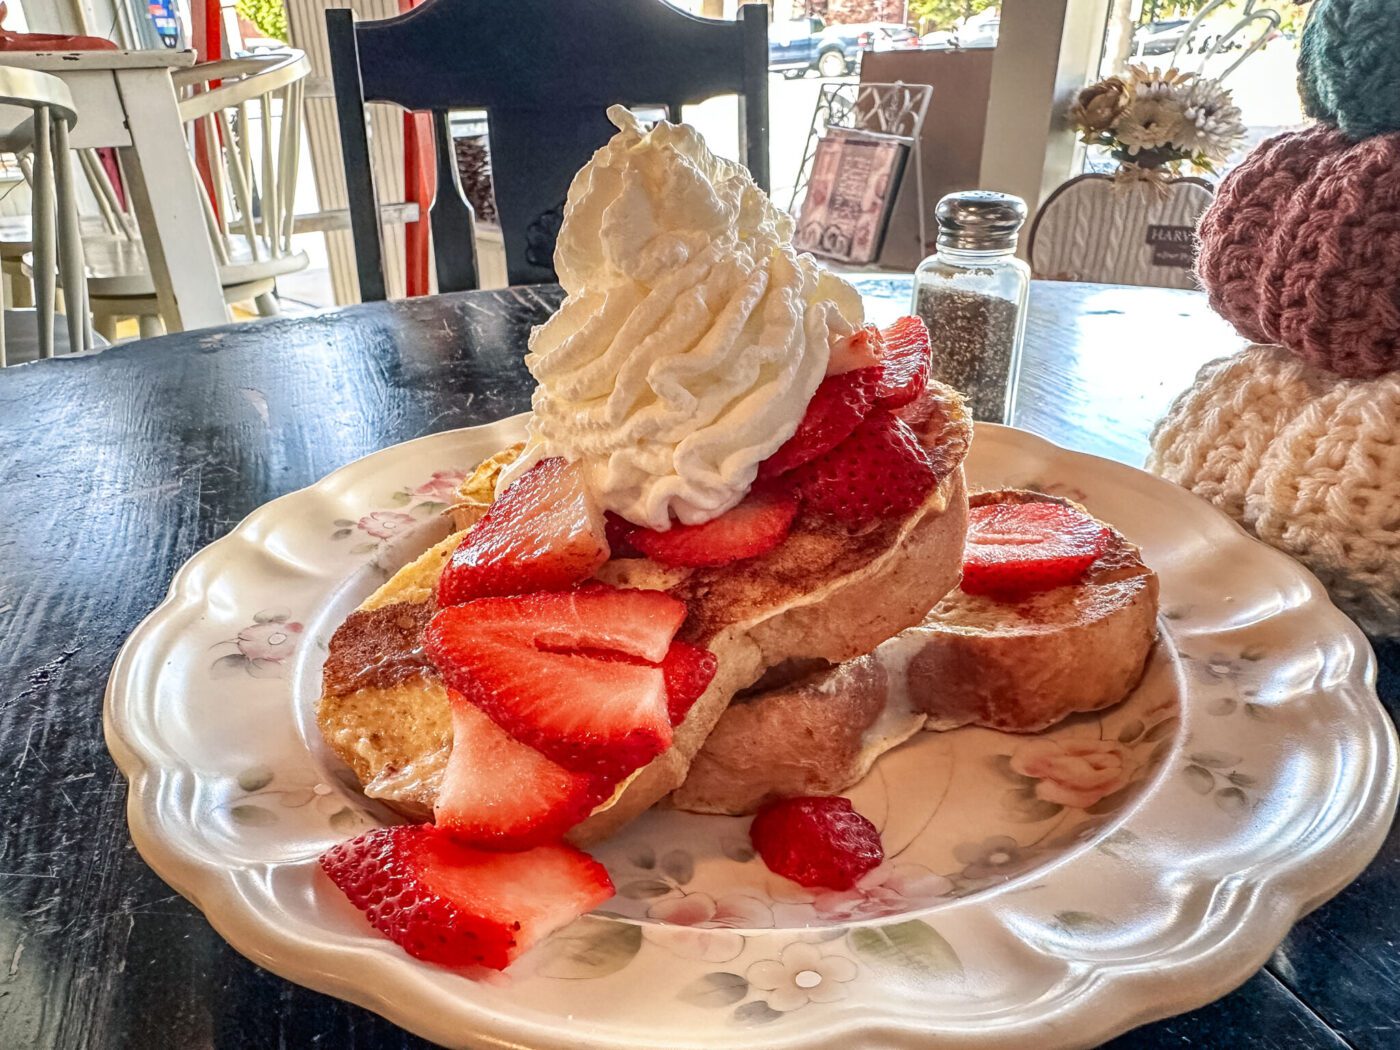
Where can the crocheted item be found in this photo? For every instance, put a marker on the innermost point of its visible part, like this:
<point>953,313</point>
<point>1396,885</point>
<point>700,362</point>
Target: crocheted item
<point>1301,247</point>
<point>1216,433</point>
<point>1349,66</point>
<point>1307,461</point>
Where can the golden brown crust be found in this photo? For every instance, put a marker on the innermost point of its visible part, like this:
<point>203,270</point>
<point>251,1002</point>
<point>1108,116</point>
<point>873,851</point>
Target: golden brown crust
<point>377,648</point>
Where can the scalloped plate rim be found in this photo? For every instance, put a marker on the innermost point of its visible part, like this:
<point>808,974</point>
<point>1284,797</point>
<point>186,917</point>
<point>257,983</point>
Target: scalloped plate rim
<point>217,892</point>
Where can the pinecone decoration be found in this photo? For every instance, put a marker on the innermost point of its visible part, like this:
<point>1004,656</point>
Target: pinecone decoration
<point>474,171</point>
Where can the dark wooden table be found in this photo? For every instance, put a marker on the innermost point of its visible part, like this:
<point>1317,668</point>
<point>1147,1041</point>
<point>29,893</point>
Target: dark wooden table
<point>116,468</point>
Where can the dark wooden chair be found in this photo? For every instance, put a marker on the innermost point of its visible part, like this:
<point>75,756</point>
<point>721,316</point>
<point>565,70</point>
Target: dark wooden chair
<point>545,71</point>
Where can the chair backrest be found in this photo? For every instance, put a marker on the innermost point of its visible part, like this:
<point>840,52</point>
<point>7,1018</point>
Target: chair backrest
<point>36,113</point>
<point>545,73</point>
<point>1095,229</point>
<point>246,112</point>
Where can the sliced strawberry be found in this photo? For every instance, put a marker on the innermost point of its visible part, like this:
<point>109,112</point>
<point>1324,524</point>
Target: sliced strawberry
<point>1014,549</point>
<point>499,794</point>
<point>527,663</point>
<point>542,534</point>
<point>688,670</point>
<point>880,471</point>
<point>906,363</point>
<point>594,616</point>
<point>754,527</point>
<point>619,534</point>
<point>836,409</point>
<point>816,841</point>
<point>449,904</point>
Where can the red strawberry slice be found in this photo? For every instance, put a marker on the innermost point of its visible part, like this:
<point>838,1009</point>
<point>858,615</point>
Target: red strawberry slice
<point>619,534</point>
<point>594,616</point>
<point>499,794</point>
<point>816,841</point>
<point>836,409</point>
<point>880,471</point>
<point>1015,549</point>
<point>446,903</point>
<point>754,527</point>
<point>543,534</point>
<point>688,670</point>
<point>530,663</point>
<point>906,363</point>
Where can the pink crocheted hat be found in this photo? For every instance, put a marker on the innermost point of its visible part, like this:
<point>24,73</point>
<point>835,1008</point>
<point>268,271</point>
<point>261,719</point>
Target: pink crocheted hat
<point>1301,247</point>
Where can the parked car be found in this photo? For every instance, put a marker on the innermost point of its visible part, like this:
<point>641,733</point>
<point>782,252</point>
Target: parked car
<point>805,44</point>
<point>1160,38</point>
<point>979,30</point>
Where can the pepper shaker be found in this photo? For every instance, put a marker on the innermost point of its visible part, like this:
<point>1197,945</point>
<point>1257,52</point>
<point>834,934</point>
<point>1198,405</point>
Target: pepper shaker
<point>972,293</point>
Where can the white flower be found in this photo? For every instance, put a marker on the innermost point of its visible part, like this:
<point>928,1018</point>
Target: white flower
<point>1156,83</point>
<point>1150,124</point>
<point>800,975</point>
<point>1210,120</point>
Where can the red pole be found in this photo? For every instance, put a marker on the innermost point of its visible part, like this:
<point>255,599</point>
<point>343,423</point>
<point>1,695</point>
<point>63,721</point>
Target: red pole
<point>419,155</point>
<point>209,47</point>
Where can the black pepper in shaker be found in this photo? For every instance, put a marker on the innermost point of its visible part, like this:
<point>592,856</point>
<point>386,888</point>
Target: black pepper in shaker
<point>971,293</point>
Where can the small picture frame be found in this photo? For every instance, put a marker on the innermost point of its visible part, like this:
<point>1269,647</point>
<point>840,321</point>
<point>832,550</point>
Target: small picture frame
<point>855,180</point>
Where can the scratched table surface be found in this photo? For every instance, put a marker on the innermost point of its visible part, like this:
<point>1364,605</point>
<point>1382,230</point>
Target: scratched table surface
<point>115,468</point>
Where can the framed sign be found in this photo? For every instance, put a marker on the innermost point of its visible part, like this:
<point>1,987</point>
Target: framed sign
<point>855,179</point>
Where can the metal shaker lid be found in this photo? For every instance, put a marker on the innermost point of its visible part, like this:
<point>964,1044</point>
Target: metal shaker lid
<point>980,220</point>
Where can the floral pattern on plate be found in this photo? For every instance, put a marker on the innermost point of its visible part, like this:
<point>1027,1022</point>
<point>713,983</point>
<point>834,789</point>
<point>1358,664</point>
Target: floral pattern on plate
<point>417,504</point>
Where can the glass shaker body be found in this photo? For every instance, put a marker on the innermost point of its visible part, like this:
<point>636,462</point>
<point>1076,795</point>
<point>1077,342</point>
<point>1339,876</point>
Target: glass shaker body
<point>974,304</point>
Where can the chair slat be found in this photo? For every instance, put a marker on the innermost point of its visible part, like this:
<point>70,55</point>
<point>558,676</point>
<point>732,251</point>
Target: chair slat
<point>238,178</point>
<point>269,214</point>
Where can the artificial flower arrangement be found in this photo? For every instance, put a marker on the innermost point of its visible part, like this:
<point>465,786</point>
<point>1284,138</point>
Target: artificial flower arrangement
<point>1159,121</point>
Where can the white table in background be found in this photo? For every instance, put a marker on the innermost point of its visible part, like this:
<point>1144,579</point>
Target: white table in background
<point>126,99</point>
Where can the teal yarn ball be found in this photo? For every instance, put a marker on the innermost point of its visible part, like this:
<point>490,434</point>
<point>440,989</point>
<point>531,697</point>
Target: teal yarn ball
<point>1349,66</point>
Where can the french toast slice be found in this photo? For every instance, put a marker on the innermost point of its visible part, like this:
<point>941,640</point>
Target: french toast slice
<point>824,594</point>
<point>1023,666</point>
<point>1017,666</point>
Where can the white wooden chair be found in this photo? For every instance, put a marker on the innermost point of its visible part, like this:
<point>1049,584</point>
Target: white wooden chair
<point>1092,229</point>
<point>250,127</point>
<point>36,113</point>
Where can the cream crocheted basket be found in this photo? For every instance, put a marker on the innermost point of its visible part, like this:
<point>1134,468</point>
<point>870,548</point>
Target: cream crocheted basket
<point>1306,460</point>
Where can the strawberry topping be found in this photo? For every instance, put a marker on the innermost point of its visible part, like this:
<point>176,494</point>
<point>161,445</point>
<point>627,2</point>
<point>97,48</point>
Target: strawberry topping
<point>906,363</point>
<point>688,670</point>
<point>1015,549</point>
<point>836,409</point>
<point>754,527</point>
<point>619,534</point>
<point>815,841</point>
<point>542,534</point>
<point>499,794</point>
<point>531,664</point>
<point>878,472</point>
<point>446,903</point>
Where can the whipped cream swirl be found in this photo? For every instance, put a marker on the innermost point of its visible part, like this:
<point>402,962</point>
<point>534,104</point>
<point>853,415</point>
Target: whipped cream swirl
<point>692,335</point>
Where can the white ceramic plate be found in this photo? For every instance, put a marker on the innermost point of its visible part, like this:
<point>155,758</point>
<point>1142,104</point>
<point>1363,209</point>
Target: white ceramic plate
<point>1038,891</point>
